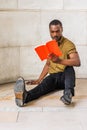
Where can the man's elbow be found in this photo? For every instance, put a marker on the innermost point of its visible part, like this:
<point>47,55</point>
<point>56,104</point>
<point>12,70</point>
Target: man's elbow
<point>78,64</point>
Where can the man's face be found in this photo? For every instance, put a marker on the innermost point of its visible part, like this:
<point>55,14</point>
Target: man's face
<point>55,32</point>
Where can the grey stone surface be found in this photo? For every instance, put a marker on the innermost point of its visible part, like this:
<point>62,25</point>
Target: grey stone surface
<point>9,65</point>
<point>8,4</point>
<point>75,4</point>
<point>40,4</point>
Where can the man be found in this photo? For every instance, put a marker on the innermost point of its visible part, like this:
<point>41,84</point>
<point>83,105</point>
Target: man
<point>60,70</point>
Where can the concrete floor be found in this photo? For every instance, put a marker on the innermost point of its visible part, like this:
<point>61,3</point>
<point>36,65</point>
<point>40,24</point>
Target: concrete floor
<point>47,112</point>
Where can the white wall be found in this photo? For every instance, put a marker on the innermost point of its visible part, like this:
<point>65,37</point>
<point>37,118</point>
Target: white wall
<point>24,25</point>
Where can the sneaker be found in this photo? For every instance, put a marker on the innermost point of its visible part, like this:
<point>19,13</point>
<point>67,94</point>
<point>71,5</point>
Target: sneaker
<point>20,92</point>
<point>66,98</point>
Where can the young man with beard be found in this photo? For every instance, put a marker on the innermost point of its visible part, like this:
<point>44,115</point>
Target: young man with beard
<point>61,74</point>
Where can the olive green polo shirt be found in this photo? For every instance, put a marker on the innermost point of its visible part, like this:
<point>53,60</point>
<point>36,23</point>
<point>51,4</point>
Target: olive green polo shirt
<point>67,47</point>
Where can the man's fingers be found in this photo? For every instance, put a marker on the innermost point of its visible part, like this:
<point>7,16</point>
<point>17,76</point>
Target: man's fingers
<point>51,55</point>
<point>30,82</point>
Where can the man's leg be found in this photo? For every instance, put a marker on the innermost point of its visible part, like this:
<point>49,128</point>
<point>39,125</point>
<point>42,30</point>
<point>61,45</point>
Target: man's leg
<point>69,80</point>
<point>22,96</point>
<point>46,86</point>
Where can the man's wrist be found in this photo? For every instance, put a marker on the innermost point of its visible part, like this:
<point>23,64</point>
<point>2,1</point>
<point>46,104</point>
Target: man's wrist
<point>59,61</point>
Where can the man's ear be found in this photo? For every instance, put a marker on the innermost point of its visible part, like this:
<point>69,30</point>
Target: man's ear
<point>62,29</point>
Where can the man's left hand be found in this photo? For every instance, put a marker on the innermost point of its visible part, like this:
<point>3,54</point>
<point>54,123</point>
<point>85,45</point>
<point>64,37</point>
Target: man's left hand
<point>54,58</point>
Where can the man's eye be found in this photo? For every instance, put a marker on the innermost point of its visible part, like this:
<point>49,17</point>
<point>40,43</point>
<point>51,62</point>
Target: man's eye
<point>55,31</point>
<point>52,31</point>
<point>58,31</point>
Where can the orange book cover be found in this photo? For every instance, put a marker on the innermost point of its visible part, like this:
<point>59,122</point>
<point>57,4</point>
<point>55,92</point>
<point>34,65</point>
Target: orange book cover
<point>50,47</point>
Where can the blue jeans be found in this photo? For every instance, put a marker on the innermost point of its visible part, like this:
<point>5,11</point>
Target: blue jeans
<point>57,81</point>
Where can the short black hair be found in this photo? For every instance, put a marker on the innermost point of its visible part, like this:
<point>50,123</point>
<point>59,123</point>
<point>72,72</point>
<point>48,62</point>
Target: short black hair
<point>55,22</point>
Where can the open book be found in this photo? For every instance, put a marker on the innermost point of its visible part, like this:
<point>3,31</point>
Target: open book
<point>43,51</point>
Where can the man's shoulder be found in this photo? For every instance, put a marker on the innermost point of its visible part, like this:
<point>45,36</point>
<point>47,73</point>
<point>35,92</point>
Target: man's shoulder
<point>68,41</point>
<point>69,46</point>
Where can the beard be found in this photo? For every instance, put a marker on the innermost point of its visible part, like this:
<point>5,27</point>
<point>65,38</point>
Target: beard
<point>56,38</point>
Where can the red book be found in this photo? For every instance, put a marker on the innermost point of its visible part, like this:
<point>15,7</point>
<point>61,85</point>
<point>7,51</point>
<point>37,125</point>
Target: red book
<point>50,47</point>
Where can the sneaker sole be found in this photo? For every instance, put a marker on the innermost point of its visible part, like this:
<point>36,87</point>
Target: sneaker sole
<point>19,89</point>
<point>64,101</point>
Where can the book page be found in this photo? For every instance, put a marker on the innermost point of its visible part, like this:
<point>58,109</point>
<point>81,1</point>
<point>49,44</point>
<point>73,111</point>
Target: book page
<point>53,47</point>
<point>42,51</point>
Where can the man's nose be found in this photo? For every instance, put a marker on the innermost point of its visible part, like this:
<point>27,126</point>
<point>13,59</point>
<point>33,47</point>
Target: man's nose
<point>55,34</point>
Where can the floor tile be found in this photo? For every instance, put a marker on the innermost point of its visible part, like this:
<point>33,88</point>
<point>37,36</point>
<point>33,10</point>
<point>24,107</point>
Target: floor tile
<point>8,117</point>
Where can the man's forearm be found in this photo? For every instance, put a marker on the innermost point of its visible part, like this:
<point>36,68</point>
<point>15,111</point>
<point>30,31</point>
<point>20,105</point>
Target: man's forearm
<point>70,62</point>
<point>44,72</point>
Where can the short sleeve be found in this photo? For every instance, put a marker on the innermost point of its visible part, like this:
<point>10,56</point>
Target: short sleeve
<point>70,48</point>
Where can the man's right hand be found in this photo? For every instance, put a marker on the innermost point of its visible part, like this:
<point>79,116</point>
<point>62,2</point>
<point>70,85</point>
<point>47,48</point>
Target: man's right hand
<point>33,82</point>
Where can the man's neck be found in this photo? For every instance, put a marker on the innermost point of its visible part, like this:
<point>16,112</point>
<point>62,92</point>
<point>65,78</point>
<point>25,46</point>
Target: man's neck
<point>60,40</point>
